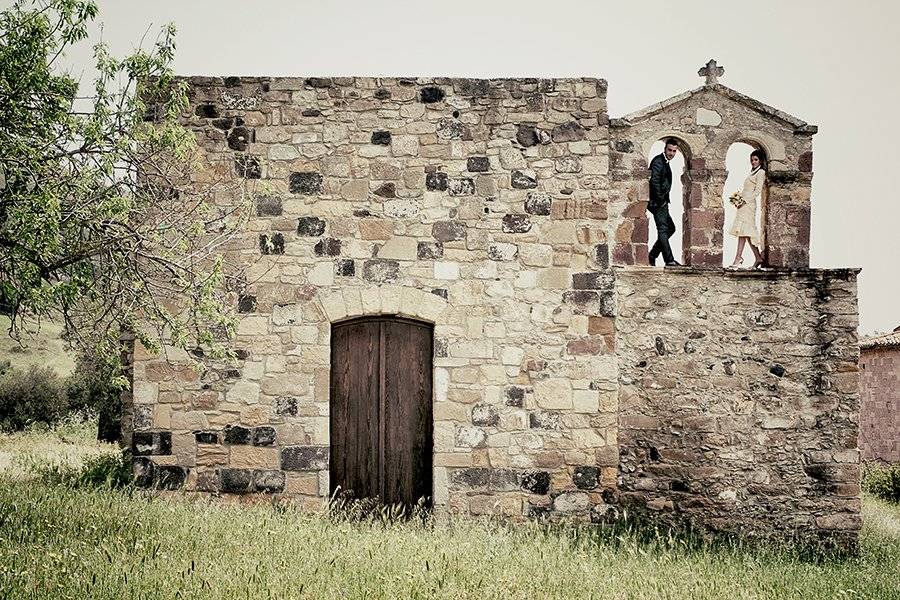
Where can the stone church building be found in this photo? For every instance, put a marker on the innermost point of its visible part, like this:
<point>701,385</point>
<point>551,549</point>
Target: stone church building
<point>445,296</point>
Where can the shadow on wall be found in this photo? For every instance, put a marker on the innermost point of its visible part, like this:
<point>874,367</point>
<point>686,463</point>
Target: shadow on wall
<point>676,206</point>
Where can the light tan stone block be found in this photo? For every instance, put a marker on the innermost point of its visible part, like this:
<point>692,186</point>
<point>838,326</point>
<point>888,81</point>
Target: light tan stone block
<point>399,248</point>
<point>553,393</point>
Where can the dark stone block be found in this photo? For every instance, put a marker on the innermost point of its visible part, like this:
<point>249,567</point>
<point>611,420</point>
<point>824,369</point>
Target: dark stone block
<point>311,112</point>
<point>478,164</point>
<point>327,247</point>
<point>143,471</point>
<point>381,138</point>
<point>540,419</point>
<point>485,415</point>
<point>783,177</point>
<point>440,348</point>
<point>273,244</point>
<point>593,280</point>
<point>307,183</point>
<point>207,111</point>
<point>386,190</point>
<point>232,81</point>
<point>527,135</point>
<point>492,479</point>
<point>516,223</point>
<point>538,203</point>
<point>206,437</point>
<point>442,292</point>
<point>601,255</point>
<point>536,482</point>
<point>805,162</point>
<point>515,396</point>
<point>246,304</point>
<point>431,94</point>
<point>345,267</point>
<point>624,146</point>
<point>567,132</point>
<point>382,94</point>
<point>241,354</point>
<point>679,486</point>
<point>522,181</point>
<point>777,370</point>
<point>378,270</point>
<point>225,123</point>
<point>240,138</point>
<point>268,481</point>
<point>143,416</point>
<point>461,187</point>
<point>660,346</point>
<point>286,406</point>
<point>586,478</point>
<point>430,250</point>
<point>476,477</point>
<point>591,303</point>
<point>263,436</point>
<point>237,434</point>
<point>478,88</point>
<point>268,206</point>
<point>319,82</point>
<point>436,182</point>
<point>247,167</point>
<point>169,477</point>
<point>448,231</point>
<point>146,443</point>
<point>236,481</point>
<point>310,226</point>
<point>304,458</point>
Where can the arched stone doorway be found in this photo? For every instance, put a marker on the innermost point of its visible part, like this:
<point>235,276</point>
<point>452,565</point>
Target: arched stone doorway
<point>381,409</point>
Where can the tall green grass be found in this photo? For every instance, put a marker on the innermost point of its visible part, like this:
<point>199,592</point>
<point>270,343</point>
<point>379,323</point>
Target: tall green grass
<point>70,541</point>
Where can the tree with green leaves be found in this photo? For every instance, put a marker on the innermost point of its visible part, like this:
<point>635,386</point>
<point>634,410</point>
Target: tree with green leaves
<point>101,226</point>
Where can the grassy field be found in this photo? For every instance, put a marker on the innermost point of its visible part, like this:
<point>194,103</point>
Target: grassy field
<point>39,347</point>
<point>60,542</point>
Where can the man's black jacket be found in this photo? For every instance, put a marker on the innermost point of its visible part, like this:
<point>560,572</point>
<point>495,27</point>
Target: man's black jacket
<point>660,182</point>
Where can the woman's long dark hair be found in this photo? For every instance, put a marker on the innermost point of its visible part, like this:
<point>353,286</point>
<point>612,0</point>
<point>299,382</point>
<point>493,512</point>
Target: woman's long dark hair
<point>763,163</point>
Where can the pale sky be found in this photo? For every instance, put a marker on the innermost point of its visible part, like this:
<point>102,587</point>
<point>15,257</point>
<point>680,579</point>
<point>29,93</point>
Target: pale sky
<point>831,63</point>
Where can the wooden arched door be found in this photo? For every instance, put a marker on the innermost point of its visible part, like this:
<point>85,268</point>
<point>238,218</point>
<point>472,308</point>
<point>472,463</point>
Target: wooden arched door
<point>381,409</point>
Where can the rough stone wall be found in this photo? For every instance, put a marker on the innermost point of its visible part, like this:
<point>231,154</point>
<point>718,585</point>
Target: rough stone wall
<point>479,205</point>
<point>879,410</point>
<point>738,399</point>
<point>707,122</point>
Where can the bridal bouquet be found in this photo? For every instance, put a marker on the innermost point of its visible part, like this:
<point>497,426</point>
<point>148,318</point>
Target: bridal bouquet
<point>737,200</point>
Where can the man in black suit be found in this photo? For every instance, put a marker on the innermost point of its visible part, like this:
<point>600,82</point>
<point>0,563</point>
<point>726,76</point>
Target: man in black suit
<point>660,185</point>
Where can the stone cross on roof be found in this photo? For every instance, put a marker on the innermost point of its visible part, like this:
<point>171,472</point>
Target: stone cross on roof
<point>712,72</point>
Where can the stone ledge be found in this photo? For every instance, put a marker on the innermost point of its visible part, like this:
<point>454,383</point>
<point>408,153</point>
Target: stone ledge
<point>772,273</point>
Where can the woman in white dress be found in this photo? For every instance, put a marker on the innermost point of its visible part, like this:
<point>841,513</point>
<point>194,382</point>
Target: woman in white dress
<point>744,226</point>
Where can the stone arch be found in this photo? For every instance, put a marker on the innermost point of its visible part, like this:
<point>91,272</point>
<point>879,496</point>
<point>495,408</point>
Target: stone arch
<point>734,182</point>
<point>353,302</point>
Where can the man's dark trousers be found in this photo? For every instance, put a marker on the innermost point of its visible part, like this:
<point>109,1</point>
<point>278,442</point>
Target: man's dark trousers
<point>665,227</point>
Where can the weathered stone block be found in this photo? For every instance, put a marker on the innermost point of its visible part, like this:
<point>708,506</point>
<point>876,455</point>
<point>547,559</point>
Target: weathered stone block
<point>310,226</point>
<point>379,270</point>
<point>306,183</point>
<point>304,458</point>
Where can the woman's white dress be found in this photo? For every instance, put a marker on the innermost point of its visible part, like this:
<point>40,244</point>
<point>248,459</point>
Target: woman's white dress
<point>745,220</point>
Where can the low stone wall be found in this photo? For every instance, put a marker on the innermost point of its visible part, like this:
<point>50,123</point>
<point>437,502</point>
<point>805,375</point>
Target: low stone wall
<point>738,399</point>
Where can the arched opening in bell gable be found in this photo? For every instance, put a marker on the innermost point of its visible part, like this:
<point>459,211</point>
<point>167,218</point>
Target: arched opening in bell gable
<point>749,219</point>
<point>679,199</point>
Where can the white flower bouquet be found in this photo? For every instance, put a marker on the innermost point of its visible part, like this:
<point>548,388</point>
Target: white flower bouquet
<point>737,200</point>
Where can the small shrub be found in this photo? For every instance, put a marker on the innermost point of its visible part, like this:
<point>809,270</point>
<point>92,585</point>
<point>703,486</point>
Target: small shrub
<point>883,482</point>
<point>92,388</point>
<point>33,396</point>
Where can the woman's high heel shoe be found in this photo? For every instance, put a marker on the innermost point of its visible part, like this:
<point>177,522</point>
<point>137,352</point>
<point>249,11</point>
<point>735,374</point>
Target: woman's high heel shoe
<point>736,263</point>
